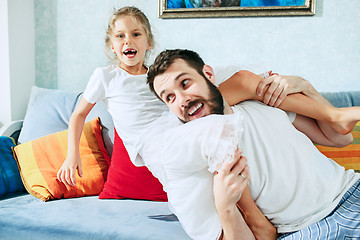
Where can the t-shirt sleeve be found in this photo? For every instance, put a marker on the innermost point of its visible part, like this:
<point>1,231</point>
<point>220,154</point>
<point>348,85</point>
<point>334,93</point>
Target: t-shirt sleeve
<point>224,73</point>
<point>95,89</point>
<point>189,154</point>
<point>291,116</point>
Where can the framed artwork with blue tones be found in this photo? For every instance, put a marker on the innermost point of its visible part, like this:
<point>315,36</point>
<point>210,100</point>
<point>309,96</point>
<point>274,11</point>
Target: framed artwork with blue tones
<point>234,8</point>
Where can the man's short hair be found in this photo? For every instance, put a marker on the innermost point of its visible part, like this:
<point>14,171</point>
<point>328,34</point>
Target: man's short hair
<point>167,57</point>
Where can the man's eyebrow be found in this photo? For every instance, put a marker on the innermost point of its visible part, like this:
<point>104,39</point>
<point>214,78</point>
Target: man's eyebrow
<point>176,79</point>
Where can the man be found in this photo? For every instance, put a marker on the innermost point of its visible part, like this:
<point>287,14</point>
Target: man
<point>294,185</point>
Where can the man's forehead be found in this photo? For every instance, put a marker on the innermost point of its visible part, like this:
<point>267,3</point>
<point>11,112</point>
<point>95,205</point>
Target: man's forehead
<point>177,69</point>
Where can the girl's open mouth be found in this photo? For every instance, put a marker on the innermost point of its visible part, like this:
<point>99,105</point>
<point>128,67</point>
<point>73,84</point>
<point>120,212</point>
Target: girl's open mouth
<point>130,53</point>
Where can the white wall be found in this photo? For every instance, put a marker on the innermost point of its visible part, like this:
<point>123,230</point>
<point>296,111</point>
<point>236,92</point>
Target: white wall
<point>323,48</point>
<point>5,113</point>
<point>70,35</point>
<point>18,60</point>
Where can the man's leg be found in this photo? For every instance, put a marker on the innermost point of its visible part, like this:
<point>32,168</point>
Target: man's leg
<point>342,223</point>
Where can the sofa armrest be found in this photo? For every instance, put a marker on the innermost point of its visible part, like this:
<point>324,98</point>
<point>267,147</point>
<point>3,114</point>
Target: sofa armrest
<point>12,129</point>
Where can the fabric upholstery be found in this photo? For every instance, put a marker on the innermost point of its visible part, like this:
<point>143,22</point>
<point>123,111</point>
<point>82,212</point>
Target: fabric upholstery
<point>26,217</point>
<point>349,156</point>
<point>10,181</point>
<point>127,181</point>
<point>48,111</point>
<point>39,161</point>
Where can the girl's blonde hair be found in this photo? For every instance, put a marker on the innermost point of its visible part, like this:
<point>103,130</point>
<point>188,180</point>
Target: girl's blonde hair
<point>133,12</point>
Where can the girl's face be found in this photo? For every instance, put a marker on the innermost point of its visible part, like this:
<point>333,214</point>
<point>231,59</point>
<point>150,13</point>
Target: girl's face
<point>129,43</point>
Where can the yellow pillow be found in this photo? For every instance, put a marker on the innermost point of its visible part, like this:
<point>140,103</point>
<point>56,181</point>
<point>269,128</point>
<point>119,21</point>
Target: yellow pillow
<point>39,161</point>
<point>348,156</point>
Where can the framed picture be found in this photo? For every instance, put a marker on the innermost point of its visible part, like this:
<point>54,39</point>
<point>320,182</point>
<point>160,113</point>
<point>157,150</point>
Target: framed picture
<point>234,8</point>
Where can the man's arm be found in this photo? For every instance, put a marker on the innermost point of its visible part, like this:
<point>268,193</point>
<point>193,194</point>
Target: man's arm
<point>229,184</point>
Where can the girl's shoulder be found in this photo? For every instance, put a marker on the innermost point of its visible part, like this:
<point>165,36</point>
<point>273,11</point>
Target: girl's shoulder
<point>109,72</point>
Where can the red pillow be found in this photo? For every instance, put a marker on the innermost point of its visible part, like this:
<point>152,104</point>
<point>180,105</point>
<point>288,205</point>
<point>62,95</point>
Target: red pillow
<point>125,180</point>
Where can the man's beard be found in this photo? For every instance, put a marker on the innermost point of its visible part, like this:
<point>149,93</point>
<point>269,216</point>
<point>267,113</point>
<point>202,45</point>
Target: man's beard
<point>215,102</point>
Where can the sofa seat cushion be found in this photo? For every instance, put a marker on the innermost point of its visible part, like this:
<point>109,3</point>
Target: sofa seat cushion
<point>26,217</point>
<point>349,156</point>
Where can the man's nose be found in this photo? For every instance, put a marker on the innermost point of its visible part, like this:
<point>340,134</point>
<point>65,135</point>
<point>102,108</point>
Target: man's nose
<point>184,100</point>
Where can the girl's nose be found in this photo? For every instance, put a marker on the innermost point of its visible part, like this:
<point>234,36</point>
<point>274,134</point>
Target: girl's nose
<point>127,40</point>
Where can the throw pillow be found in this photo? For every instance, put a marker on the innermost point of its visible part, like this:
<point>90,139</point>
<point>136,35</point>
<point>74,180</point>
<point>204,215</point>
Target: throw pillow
<point>48,111</point>
<point>348,156</point>
<point>125,180</point>
<point>39,161</point>
<point>10,181</point>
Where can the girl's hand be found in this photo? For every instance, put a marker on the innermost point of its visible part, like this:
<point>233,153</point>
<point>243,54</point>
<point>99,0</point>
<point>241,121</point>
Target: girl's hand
<point>230,182</point>
<point>277,89</point>
<point>66,173</point>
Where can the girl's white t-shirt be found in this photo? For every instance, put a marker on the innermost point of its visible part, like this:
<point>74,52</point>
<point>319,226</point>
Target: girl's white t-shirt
<point>132,105</point>
<point>129,100</point>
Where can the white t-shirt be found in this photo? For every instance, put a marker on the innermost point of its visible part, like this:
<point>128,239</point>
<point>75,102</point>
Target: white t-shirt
<point>130,102</point>
<point>292,183</point>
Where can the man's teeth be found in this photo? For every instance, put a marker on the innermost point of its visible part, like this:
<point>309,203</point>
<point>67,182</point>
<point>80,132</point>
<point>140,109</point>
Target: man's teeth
<point>194,109</point>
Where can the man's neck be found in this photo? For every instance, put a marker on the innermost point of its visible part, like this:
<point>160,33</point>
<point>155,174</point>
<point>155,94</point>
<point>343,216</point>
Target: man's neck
<point>227,108</point>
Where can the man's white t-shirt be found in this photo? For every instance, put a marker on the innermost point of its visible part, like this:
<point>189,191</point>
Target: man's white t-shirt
<point>292,183</point>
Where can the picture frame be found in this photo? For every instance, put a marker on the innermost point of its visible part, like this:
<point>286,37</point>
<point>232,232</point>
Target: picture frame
<point>177,8</point>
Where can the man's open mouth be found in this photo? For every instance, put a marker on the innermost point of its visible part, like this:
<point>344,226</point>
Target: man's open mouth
<point>195,109</point>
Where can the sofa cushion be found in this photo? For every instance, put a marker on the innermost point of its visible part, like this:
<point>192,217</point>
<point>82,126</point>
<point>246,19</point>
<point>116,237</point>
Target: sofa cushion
<point>10,181</point>
<point>127,181</point>
<point>48,111</point>
<point>39,161</point>
<point>349,156</point>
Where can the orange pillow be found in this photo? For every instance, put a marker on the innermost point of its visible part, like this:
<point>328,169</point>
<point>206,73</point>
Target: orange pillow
<point>348,156</point>
<point>39,161</point>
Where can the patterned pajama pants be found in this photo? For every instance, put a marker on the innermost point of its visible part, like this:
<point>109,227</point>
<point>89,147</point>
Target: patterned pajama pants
<point>342,223</point>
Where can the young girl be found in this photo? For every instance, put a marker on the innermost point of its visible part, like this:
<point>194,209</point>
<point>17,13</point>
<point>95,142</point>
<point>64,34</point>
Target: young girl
<point>123,88</point>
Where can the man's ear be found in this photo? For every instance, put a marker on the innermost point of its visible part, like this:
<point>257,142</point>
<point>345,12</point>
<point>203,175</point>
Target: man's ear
<point>209,73</point>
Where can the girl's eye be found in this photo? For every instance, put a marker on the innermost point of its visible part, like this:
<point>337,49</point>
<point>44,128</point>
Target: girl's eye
<point>185,82</point>
<point>136,34</point>
<point>169,98</point>
<point>120,36</point>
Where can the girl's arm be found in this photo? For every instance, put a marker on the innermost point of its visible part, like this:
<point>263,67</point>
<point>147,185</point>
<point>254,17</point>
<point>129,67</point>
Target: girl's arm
<point>67,172</point>
<point>243,86</point>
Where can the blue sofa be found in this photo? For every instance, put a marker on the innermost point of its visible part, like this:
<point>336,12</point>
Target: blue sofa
<point>23,216</point>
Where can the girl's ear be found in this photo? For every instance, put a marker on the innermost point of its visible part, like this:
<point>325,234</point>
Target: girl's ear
<point>209,73</point>
<point>149,47</point>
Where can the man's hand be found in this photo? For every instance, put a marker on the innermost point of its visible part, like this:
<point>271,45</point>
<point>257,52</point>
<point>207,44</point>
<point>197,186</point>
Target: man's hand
<point>229,184</point>
<point>230,181</point>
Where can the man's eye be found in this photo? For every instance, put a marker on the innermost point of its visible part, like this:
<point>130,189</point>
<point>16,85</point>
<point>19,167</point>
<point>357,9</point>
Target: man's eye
<point>169,98</point>
<point>185,82</point>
